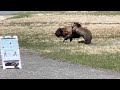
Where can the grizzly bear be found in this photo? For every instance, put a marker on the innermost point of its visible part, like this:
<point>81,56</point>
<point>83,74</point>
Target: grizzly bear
<point>66,33</point>
<point>83,32</point>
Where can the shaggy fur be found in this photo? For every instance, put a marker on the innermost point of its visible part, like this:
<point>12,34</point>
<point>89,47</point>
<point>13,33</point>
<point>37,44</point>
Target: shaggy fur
<point>84,32</point>
<point>66,33</point>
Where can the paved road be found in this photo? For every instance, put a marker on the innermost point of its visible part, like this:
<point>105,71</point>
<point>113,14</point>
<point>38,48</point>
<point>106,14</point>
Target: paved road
<point>37,67</point>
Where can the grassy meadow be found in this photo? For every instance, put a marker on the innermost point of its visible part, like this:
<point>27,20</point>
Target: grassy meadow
<point>36,32</point>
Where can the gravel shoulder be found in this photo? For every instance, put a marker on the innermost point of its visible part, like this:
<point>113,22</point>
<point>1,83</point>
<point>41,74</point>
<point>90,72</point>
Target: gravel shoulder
<point>36,67</point>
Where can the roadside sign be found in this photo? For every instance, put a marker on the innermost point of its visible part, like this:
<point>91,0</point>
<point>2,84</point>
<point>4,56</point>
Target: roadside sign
<point>10,52</point>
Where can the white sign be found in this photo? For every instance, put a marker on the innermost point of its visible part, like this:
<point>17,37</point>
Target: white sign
<point>10,50</point>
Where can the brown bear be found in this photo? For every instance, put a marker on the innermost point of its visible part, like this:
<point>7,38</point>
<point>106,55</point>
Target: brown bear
<point>83,32</point>
<point>66,33</point>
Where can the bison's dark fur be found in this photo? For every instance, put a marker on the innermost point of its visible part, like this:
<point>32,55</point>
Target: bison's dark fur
<point>66,33</point>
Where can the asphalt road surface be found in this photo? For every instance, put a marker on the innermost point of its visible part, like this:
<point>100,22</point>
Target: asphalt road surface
<point>36,67</point>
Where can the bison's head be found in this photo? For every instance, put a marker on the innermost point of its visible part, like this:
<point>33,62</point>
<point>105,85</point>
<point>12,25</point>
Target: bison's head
<point>63,32</point>
<point>59,32</point>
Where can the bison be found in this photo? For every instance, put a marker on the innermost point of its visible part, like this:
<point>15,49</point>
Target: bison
<point>66,33</point>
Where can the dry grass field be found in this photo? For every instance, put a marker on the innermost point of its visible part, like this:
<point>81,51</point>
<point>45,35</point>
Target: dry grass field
<point>36,32</point>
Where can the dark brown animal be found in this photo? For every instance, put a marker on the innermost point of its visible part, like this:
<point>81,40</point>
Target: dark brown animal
<point>66,33</point>
<point>83,32</point>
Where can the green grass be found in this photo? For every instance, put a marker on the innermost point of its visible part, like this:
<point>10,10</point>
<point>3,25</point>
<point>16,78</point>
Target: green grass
<point>82,13</point>
<point>21,15</point>
<point>107,61</point>
<point>105,13</point>
<point>47,45</point>
<point>29,13</point>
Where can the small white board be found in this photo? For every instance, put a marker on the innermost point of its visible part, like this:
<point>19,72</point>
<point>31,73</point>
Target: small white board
<point>10,52</point>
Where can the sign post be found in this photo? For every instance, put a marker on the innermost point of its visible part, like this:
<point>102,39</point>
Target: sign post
<point>10,52</point>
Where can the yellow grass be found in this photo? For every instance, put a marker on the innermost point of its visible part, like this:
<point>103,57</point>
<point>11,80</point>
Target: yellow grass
<point>48,24</point>
<point>37,32</point>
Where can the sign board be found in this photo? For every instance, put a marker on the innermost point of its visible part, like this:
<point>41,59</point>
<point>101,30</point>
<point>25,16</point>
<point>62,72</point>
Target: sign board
<point>10,52</point>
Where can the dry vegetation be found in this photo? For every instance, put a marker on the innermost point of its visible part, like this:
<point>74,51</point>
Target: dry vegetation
<point>37,32</point>
<point>105,36</point>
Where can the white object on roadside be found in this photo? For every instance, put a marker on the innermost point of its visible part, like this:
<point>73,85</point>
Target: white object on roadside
<point>10,52</point>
